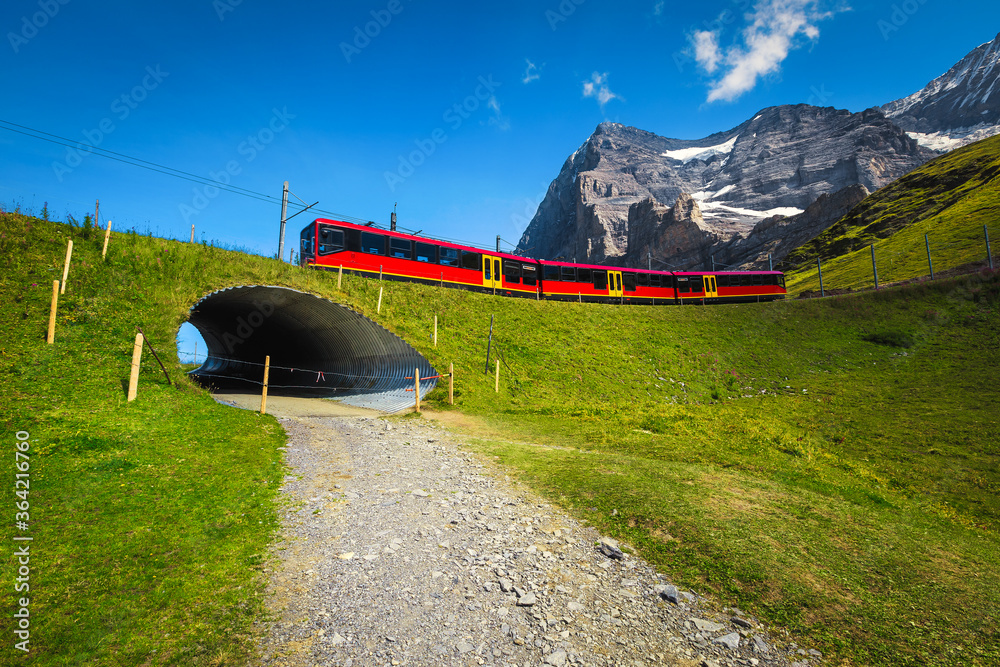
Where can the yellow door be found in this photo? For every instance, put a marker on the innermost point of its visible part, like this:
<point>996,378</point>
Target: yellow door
<point>615,283</point>
<point>491,272</point>
<point>711,288</point>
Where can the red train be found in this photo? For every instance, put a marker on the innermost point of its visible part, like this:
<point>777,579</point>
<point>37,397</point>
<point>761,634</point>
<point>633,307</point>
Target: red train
<point>366,250</point>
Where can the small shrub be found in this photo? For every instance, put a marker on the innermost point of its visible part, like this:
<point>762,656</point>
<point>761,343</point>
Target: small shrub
<point>891,338</point>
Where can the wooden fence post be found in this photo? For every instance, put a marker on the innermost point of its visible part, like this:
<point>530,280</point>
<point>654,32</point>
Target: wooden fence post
<point>69,253</point>
<point>435,331</point>
<point>51,336</point>
<point>133,379</point>
<point>107,235</point>
<point>263,395</point>
<point>340,276</point>
<point>192,233</point>
<point>378,308</point>
<point>416,386</point>
<point>451,384</point>
<point>497,388</point>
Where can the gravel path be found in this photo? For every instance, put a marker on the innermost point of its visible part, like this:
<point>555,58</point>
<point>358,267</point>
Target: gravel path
<point>399,548</point>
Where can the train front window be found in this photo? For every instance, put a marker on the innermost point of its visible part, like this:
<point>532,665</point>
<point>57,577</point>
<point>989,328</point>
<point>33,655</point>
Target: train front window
<point>306,240</point>
<point>330,240</point>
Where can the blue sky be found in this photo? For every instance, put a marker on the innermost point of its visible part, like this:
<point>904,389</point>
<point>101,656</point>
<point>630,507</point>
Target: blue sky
<point>460,112</point>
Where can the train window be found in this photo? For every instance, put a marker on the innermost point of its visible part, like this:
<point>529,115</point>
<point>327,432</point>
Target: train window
<point>353,240</point>
<point>512,272</point>
<point>471,260</point>
<point>654,280</point>
<point>426,252</point>
<point>330,240</point>
<point>551,273</point>
<point>584,275</point>
<point>600,280</point>
<point>401,248</point>
<point>567,273</point>
<point>529,274</point>
<point>746,280</point>
<point>487,269</point>
<point>628,280</point>
<point>758,279</point>
<point>683,285</point>
<point>781,280</point>
<point>723,281</point>
<point>618,282</point>
<point>643,279</point>
<point>373,244</point>
<point>449,256</point>
<point>696,284</point>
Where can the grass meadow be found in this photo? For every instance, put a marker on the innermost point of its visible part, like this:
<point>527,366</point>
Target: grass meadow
<point>829,465</point>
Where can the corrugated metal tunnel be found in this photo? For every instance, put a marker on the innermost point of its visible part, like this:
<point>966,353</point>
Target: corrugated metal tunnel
<point>317,348</point>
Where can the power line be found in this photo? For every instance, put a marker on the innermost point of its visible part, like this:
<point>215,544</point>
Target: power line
<point>183,175</point>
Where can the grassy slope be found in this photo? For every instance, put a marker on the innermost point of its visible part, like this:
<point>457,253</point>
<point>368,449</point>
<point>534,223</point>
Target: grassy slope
<point>862,513</point>
<point>949,199</point>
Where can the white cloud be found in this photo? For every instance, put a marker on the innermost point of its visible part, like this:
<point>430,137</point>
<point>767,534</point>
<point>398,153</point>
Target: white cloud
<point>497,120</point>
<point>597,88</point>
<point>706,50</point>
<point>658,8</point>
<point>531,73</point>
<point>774,29</point>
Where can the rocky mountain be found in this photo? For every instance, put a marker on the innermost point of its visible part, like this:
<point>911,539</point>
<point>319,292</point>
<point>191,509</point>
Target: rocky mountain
<point>959,107</point>
<point>777,163</point>
<point>631,197</point>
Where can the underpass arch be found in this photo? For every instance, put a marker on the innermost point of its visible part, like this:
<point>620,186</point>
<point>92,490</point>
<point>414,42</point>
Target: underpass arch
<point>317,348</point>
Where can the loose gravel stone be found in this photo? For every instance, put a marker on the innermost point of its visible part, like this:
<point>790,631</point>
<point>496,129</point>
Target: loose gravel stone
<point>399,547</point>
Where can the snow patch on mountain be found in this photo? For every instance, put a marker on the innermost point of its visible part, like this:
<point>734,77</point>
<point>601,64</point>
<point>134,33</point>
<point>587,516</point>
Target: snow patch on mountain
<point>685,155</point>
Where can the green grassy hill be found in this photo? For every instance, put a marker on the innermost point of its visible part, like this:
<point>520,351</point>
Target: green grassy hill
<point>949,199</point>
<point>830,465</point>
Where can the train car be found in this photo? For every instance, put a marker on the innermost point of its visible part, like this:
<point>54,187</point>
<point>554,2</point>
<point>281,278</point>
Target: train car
<point>563,281</point>
<point>746,286</point>
<point>364,250</point>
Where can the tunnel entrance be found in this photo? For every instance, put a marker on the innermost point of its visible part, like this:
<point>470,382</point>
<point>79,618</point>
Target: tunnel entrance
<point>318,349</point>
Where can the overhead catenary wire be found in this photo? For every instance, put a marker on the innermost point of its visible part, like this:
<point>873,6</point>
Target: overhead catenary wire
<point>190,177</point>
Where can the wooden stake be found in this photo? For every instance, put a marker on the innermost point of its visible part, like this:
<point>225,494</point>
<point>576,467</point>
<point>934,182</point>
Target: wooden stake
<point>378,309</point>
<point>51,336</point>
<point>451,384</point>
<point>97,210</point>
<point>263,395</point>
<point>69,253</point>
<point>192,233</point>
<point>435,331</point>
<point>107,235</point>
<point>133,379</point>
<point>340,275</point>
<point>497,389</point>
<point>416,386</point>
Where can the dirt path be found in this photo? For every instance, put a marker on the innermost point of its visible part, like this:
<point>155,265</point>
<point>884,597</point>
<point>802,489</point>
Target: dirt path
<point>401,548</point>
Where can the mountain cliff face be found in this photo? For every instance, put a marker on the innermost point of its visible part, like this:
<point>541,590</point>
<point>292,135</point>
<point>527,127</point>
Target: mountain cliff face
<point>778,163</point>
<point>776,180</point>
<point>959,107</point>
